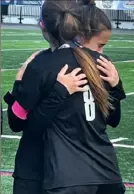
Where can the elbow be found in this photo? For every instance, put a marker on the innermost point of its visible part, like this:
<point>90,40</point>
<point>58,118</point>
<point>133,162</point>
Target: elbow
<point>14,128</point>
<point>115,122</point>
<point>15,124</point>
<point>114,119</point>
<point>114,125</point>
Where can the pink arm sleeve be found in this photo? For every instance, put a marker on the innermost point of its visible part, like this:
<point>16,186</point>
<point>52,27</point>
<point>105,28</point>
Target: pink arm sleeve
<point>19,111</point>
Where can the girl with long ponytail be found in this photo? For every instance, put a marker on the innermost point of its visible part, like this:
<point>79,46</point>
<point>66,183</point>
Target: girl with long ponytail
<point>78,156</point>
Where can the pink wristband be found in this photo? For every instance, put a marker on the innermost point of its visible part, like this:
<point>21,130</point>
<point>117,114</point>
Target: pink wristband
<point>19,111</point>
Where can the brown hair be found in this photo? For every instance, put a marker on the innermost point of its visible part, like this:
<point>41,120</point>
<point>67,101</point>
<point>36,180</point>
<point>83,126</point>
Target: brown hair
<point>88,65</point>
<point>65,20</point>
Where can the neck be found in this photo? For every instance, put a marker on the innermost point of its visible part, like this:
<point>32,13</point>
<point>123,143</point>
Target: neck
<point>52,47</point>
<point>81,41</point>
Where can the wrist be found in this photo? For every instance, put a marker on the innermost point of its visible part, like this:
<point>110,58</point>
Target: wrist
<point>67,88</point>
<point>60,91</point>
<point>65,85</point>
<point>115,83</point>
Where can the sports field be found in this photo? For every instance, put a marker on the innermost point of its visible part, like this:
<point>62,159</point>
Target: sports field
<point>17,45</point>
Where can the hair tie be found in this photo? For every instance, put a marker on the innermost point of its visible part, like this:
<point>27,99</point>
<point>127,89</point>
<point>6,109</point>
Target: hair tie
<point>42,25</point>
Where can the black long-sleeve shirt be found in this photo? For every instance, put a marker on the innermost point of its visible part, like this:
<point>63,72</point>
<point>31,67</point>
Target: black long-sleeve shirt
<point>77,149</point>
<point>29,158</point>
<point>69,133</point>
<point>54,101</point>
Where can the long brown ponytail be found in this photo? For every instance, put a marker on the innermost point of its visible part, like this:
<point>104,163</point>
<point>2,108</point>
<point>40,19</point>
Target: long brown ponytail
<point>88,66</point>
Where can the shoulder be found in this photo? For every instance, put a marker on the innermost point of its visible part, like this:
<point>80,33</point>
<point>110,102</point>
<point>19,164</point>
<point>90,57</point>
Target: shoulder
<point>59,58</point>
<point>95,55</point>
<point>61,53</point>
<point>38,63</point>
<point>41,57</point>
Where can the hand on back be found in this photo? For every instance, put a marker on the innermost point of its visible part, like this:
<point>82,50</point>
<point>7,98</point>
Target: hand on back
<point>73,81</point>
<point>105,66</point>
<point>21,71</point>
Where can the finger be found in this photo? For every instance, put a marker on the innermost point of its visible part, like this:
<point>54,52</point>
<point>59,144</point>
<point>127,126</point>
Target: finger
<point>104,59</point>
<point>105,78</point>
<point>109,63</point>
<point>82,82</point>
<point>102,69</point>
<point>112,65</point>
<point>75,71</point>
<point>82,89</point>
<point>106,65</point>
<point>64,70</point>
<point>81,76</point>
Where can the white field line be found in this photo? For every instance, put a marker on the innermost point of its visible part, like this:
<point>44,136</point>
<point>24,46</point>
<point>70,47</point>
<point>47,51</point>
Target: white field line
<point>123,146</point>
<point>27,49</point>
<point>127,94</point>
<point>4,109</point>
<point>30,49</point>
<point>118,139</point>
<point>11,136</point>
<point>23,40</point>
<point>130,94</point>
<point>39,34</point>
<point>128,61</point>
<point>116,40</point>
<point>3,70</point>
<point>122,47</point>
<point>19,137</point>
<point>16,34</point>
<point>115,145</point>
<point>8,69</point>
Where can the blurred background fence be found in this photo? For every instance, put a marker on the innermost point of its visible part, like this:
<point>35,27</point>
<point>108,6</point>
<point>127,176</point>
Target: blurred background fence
<point>28,12</point>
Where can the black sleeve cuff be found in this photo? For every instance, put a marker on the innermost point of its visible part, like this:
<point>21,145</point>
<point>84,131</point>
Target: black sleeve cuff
<point>118,92</point>
<point>16,87</point>
<point>59,91</point>
<point>9,99</point>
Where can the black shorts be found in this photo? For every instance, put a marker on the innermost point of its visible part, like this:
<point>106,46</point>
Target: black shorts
<point>100,189</point>
<point>25,186</point>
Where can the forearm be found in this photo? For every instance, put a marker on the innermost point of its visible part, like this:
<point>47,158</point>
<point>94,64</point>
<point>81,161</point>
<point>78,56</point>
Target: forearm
<point>16,124</point>
<point>117,94</point>
<point>41,115</point>
<point>48,108</point>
